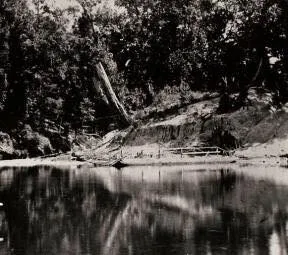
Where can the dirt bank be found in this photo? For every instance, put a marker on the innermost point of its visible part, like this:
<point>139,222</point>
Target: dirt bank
<point>199,124</point>
<point>255,131</point>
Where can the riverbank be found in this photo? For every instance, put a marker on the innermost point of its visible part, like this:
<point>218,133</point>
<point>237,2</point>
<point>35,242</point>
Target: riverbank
<point>67,160</point>
<point>108,151</point>
<point>155,155</point>
<point>257,132</point>
<point>42,162</point>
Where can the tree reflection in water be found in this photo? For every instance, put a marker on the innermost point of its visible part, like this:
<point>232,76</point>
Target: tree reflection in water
<point>105,211</point>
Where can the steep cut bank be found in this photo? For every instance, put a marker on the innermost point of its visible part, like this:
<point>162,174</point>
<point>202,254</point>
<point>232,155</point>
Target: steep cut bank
<point>254,130</point>
<point>200,124</point>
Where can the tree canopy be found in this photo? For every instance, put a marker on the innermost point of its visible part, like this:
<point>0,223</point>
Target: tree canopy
<point>47,66</point>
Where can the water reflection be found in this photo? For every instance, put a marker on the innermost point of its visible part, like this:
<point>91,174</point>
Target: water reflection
<point>143,211</point>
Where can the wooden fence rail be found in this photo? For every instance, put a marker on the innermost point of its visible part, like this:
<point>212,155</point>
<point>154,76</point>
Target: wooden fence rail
<point>189,151</point>
<point>199,150</point>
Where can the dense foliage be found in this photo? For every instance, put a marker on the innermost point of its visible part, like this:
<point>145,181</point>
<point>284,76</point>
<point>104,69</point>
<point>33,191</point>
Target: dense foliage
<point>210,45</point>
<point>47,66</point>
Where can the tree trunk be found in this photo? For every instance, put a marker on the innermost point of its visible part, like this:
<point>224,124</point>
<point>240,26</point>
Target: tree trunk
<point>124,119</point>
<point>99,91</point>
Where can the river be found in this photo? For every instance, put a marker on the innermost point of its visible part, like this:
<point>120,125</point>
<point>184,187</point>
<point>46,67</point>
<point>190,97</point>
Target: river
<point>150,210</point>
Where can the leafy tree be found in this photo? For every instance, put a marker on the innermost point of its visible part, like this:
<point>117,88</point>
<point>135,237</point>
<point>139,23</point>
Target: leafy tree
<point>211,45</point>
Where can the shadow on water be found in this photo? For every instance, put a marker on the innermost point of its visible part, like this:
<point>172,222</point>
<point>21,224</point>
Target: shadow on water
<point>141,211</point>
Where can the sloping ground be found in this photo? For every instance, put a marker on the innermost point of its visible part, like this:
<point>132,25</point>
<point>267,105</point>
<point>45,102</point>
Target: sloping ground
<point>178,129</point>
<point>255,130</point>
<point>199,123</point>
<point>276,147</point>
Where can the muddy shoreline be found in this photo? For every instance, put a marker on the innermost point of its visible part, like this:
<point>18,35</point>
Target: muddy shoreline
<point>138,162</point>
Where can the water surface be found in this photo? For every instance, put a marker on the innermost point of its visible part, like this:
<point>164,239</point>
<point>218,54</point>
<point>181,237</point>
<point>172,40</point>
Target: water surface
<point>151,210</point>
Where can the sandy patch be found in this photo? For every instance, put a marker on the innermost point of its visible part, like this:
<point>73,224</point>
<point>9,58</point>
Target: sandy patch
<point>40,162</point>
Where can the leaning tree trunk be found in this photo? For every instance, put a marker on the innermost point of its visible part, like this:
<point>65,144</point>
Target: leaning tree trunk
<point>124,119</point>
<point>99,91</point>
